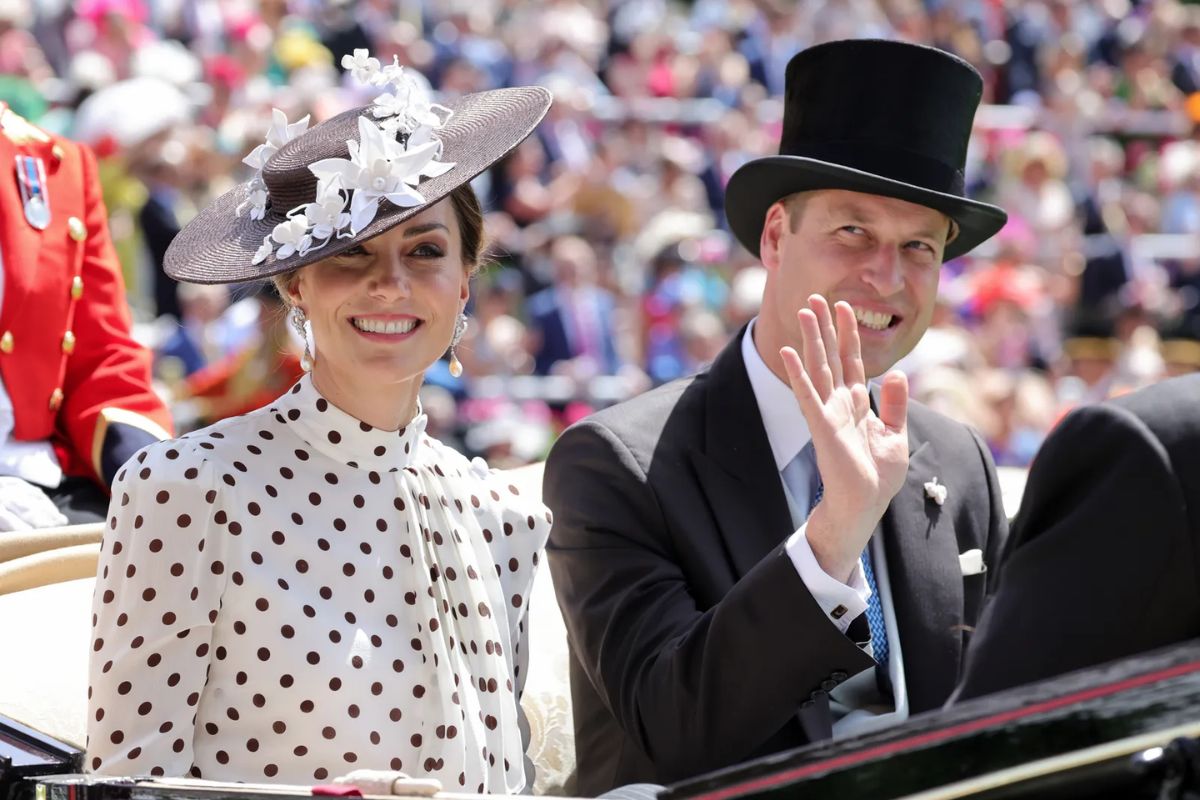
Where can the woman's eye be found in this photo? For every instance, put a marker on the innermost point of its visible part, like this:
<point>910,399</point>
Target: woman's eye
<point>357,251</point>
<point>427,251</point>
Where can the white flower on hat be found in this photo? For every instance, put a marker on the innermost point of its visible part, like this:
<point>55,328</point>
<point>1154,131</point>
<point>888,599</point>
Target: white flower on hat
<point>326,215</point>
<point>263,251</point>
<point>292,236</point>
<point>379,168</point>
<point>281,133</point>
<point>387,162</point>
<point>257,202</point>
<point>362,66</point>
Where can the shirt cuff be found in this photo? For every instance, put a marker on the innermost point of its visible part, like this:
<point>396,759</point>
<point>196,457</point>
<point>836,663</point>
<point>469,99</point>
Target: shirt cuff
<point>841,602</point>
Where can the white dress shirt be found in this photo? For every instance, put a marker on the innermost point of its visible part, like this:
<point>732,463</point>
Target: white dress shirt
<point>31,461</point>
<point>854,705</point>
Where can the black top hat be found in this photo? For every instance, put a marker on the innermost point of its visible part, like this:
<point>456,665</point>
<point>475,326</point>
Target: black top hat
<point>871,116</point>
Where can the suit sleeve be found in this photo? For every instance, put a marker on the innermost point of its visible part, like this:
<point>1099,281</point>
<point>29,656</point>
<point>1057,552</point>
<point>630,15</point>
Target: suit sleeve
<point>689,684</point>
<point>110,410</point>
<point>1100,563</point>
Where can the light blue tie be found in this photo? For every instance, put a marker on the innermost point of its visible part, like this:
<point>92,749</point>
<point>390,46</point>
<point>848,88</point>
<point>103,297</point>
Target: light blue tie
<point>800,470</point>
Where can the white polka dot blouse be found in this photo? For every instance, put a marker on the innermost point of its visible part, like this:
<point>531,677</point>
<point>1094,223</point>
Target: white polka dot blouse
<point>291,594</point>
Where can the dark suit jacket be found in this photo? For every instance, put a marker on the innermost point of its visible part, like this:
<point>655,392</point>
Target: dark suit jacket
<point>1102,562</point>
<point>694,642</point>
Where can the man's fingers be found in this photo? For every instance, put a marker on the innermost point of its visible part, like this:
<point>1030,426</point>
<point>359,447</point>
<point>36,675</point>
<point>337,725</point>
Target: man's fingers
<point>829,337</point>
<point>802,387</point>
<point>893,401</point>
<point>849,345</point>
<point>816,361</point>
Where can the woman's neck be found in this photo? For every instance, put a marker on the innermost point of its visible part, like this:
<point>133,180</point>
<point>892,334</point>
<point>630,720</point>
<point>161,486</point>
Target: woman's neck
<point>386,406</point>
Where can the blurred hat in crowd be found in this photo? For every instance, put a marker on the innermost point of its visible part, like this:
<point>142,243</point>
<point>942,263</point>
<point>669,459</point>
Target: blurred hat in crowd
<point>1180,345</point>
<point>874,116</point>
<point>1042,148</point>
<point>130,112</point>
<point>1091,336</point>
<point>319,192</point>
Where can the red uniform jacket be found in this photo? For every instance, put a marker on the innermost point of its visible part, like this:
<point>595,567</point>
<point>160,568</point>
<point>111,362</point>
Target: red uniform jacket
<point>74,373</point>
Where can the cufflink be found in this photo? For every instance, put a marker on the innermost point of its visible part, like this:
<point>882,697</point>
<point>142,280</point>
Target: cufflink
<point>838,612</point>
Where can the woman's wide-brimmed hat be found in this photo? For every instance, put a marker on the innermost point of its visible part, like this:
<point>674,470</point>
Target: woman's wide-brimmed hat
<point>873,116</point>
<point>319,192</point>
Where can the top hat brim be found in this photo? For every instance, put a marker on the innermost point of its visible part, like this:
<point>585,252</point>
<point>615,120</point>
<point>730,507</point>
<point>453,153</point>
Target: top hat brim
<point>218,245</point>
<point>760,183</point>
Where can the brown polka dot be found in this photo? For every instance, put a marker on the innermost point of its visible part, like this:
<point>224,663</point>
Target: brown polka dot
<point>286,681</point>
<point>155,545</point>
<point>168,618</point>
<point>314,498</point>
<point>352,711</point>
<point>177,569</point>
<point>259,701</point>
<point>252,745</point>
<point>300,750</point>
<point>350,758</point>
<point>222,757</point>
<point>328,732</point>
<point>307,706</point>
<point>313,657</point>
<point>279,726</point>
<point>124,687</point>
<point>271,770</point>
<point>334,437</point>
<point>397,764</point>
<point>264,654</point>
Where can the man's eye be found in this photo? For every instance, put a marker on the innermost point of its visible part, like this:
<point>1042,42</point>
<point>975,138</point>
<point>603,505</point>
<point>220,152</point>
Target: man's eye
<point>853,229</point>
<point>924,246</point>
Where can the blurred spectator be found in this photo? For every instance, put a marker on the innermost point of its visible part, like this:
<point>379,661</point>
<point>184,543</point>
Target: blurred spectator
<point>572,321</point>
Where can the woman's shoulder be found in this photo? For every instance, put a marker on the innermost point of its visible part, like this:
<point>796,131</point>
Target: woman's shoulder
<point>184,458</point>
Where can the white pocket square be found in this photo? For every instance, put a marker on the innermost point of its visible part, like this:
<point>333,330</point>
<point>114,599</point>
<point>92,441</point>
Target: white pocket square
<point>971,562</point>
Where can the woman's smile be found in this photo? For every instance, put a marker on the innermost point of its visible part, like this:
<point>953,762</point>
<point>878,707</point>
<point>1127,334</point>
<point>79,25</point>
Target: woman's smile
<point>386,327</point>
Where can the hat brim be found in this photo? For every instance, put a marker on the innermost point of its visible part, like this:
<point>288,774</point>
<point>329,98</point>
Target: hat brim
<point>759,184</point>
<point>218,245</point>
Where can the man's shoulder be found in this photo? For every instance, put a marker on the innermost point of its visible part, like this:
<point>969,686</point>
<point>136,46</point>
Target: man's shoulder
<point>670,415</point>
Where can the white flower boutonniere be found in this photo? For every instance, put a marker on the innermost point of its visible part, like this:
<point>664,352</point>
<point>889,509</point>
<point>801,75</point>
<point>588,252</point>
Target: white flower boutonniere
<point>935,491</point>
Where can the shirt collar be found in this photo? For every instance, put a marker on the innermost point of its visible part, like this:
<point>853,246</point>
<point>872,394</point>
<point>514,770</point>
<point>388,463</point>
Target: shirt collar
<point>331,431</point>
<point>787,430</point>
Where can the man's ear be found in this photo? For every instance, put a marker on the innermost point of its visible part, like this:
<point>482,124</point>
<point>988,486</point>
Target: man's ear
<point>778,222</point>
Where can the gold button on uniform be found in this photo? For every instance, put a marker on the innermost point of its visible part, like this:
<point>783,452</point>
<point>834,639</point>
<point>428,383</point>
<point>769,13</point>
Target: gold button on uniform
<point>6,342</point>
<point>77,229</point>
<point>68,345</point>
<point>57,152</point>
<point>77,288</point>
<point>56,398</point>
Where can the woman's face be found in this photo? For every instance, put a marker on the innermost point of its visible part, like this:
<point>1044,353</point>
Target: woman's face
<point>383,311</point>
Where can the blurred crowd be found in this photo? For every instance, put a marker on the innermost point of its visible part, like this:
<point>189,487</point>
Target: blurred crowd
<point>612,268</point>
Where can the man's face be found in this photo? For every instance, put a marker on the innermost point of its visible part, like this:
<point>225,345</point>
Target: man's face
<point>881,255</point>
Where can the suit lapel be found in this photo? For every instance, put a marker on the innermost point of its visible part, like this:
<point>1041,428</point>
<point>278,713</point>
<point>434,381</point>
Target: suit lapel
<point>925,577</point>
<point>735,466</point>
